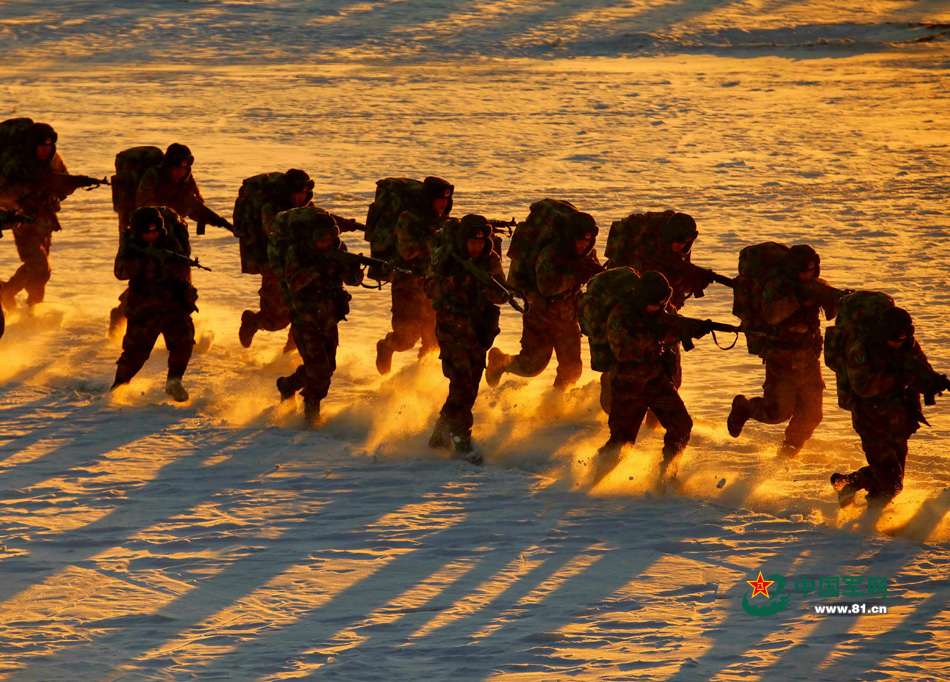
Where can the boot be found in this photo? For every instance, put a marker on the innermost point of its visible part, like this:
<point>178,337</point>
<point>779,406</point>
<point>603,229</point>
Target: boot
<point>496,367</point>
<point>465,450</point>
<point>7,297</point>
<point>789,450</point>
<point>286,387</point>
<point>606,459</point>
<point>427,350</point>
<point>291,344</point>
<point>248,328</point>
<point>384,357</point>
<point>738,415</point>
<point>843,484</point>
<point>174,388</point>
<point>311,413</point>
<point>441,435</point>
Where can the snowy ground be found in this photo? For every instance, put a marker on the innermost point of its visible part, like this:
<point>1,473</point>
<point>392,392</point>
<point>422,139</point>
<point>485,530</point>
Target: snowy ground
<point>146,541</point>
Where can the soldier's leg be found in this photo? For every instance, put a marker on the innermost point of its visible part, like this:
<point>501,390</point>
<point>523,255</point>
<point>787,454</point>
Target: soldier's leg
<point>179,333</point>
<point>293,382</point>
<point>407,315</point>
<point>779,396</point>
<point>461,367</point>
<point>33,247</point>
<point>317,347</point>
<point>605,379</point>
<point>807,414</point>
<point>430,344</point>
<point>626,414</point>
<point>537,345</point>
<point>884,441</point>
<point>137,344</point>
<point>567,348</point>
<point>666,403</point>
<point>117,314</point>
<point>273,315</point>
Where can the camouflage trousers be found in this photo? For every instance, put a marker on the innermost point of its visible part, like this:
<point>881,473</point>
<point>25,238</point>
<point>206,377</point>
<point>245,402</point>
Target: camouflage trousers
<point>549,329</point>
<point>793,393</point>
<point>413,316</point>
<point>162,317</point>
<point>631,397</point>
<point>884,432</point>
<point>463,367</point>
<point>273,315</point>
<point>317,346</point>
<point>33,246</point>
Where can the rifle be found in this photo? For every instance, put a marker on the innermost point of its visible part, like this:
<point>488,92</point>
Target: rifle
<point>366,261</point>
<point>709,326</point>
<point>193,262</point>
<point>827,295</point>
<point>489,280</point>
<point>707,275</point>
<point>209,216</point>
<point>7,217</point>
<point>503,223</point>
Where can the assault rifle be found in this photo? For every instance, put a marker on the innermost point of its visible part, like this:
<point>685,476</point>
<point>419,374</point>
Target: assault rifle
<point>704,326</point>
<point>193,262</point>
<point>827,295</point>
<point>15,217</point>
<point>930,383</point>
<point>489,280</point>
<point>706,275</point>
<point>210,217</point>
<point>503,223</point>
<point>366,261</point>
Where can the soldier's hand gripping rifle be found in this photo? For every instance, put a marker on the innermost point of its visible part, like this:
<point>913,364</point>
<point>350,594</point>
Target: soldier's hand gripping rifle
<point>10,218</point>
<point>207,216</point>
<point>703,277</point>
<point>510,295</point>
<point>697,328</point>
<point>153,251</point>
<point>366,261</point>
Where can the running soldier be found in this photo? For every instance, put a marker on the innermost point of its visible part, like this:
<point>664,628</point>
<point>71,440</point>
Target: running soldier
<point>304,253</point>
<point>551,322</point>
<point>643,333</point>
<point>161,299</point>
<point>459,282</point>
<point>34,181</point>
<point>278,192</point>
<point>790,303</point>
<point>885,373</point>
<point>413,317</point>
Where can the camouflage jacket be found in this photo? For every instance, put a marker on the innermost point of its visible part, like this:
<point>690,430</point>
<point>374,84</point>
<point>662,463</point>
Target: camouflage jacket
<point>155,276</point>
<point>792,311</point>
<point>466,309</point>
<point>35,188</point>
<point>684,277</point>
<point>312,285</point>
<point>644,345</point>
<point>274,205</point>
<point>183,197</point>
<point>413,239</point>
<point>889,378</point>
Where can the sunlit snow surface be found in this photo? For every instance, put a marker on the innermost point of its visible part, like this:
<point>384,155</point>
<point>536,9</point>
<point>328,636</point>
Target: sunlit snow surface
<point>146,541</point>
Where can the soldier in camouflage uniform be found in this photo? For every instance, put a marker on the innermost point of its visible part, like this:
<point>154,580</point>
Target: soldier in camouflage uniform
<point>161,299</point>
<point>551,322</point>
<point>295,191</point>
<point>793,388</point>
<point>886,375</point>
<point>413,317</point>
<point>170,184</point>
<point>34,181</point>
<point>466,325</point>
<point>311,284</point>
<point>642,332</point>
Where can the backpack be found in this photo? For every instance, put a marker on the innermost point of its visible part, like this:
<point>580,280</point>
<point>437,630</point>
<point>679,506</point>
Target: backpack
<point>757,265</point>
<point>604,291</point>
<point>292,230</point>
<point>545,222</point>
<point>393,196</point>
<point>130,166</point>
<point>248,227</point>
<point>631,240</point>
<point>12,136</point>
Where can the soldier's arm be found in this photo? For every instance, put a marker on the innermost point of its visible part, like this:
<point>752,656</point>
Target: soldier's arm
<point>625,344</point>
<point>352,272</point>
<point>347,224</point>
<point>127,264</point>
<point>779,302</point>
<point>495,294</point>
<point>867,380</point>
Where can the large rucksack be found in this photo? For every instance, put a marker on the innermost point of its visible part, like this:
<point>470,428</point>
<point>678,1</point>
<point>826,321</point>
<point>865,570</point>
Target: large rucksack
<point>130,166</point>
<point>604,291</point>
<point>248,226</point>
<point>858,315</point>
<point>758,264</point>
<point>292,231</point>
<point>634,238</point>
<point>393,196</point>
<point>12,138</point>
<point>546,221</point>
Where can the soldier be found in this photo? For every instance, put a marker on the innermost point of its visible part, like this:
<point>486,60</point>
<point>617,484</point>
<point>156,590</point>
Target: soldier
<point>886,375</point>
<point>311,284</point>
<point>161,299</point>
<point>643,332</point>
<point>34,181</point>
<point>467,315</point>
<point>413,317</point>
<point>294,190</point>
<point>551,322</point>
<point>170,184</point>
<point>793,388</point>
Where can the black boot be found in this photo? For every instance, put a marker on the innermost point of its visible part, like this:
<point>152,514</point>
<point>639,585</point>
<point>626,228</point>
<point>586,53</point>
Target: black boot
<point>441,435</point>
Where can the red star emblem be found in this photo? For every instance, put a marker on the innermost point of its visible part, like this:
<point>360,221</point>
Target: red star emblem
<point>760,586</point>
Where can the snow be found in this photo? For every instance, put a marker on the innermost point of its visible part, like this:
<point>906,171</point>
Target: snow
<point>143,540</point>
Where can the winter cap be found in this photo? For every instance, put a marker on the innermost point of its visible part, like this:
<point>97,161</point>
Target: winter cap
<point>681,229</point>
<point>802,257</point>
<point>436,188</point>
<point>297,180</point>
<point>177,155</point>
<point>654,288</point>
<point>42,133</point>
<point>324,227</point>
<point>582,226</point>
<point>475,227</point>
<point>146,219</point>
<point>896,324</point>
